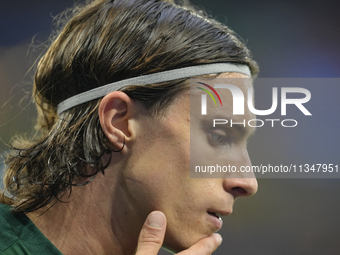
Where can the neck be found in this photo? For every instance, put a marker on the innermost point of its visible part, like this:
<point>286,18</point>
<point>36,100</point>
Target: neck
<point>90,223</point>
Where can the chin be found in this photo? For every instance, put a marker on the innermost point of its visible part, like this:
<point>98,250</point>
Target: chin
<point>176,243</point>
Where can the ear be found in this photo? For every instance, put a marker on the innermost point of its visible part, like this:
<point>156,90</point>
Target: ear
<point>114,111</point>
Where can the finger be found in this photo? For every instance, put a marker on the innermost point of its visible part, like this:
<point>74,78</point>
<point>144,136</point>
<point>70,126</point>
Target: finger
<point>152,234</point>
<point>204,246</point>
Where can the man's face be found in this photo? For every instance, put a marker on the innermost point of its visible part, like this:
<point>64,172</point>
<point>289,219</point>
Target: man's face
<point>158,171</point>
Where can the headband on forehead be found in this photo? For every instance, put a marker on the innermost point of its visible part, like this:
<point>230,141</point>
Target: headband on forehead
<point>153,78</point>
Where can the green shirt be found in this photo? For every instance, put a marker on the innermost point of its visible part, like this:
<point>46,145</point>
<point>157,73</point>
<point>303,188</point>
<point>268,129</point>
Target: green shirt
<point>18,235</point>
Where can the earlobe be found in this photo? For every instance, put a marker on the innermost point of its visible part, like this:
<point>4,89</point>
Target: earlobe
<point>114,112</point>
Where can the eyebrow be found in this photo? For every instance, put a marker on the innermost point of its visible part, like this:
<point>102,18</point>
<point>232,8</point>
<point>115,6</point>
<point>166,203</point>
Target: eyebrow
<point>244,131</point>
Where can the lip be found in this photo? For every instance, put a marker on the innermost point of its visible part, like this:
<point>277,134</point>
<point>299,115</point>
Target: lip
<point>217,222</point>
<point>214,217</point>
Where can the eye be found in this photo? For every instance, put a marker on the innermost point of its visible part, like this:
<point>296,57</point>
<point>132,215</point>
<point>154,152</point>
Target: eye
<point>219,137</point>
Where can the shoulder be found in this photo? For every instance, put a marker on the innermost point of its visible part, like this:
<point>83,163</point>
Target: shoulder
<point>19,235</point>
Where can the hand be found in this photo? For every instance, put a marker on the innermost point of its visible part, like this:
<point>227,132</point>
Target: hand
<point>152,235</point>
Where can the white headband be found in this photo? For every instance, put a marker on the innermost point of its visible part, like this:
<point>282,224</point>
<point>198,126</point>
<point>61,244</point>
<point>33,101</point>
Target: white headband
<point>153,78</point>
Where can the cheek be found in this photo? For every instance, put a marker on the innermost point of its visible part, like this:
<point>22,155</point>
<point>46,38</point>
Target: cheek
<point>164,184</point>
<point>155,172</point>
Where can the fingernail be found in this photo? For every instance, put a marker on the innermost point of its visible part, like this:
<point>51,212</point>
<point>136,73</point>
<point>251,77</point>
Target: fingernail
<point>156,220</point>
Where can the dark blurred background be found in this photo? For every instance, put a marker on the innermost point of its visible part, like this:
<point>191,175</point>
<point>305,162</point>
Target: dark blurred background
<point>288,39</point>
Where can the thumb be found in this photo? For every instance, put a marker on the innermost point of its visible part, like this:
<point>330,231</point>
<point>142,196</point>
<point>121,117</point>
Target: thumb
<point>152,234</point>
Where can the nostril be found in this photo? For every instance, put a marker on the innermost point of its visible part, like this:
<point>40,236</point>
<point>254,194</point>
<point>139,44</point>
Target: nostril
<point>239,191</point>
<point>244,187</point>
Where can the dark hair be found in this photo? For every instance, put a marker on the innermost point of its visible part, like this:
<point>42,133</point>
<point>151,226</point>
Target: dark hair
<point>103,42</point>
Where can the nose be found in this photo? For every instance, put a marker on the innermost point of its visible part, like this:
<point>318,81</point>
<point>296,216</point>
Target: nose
<point>241,187</point>
<point>242,183</point>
